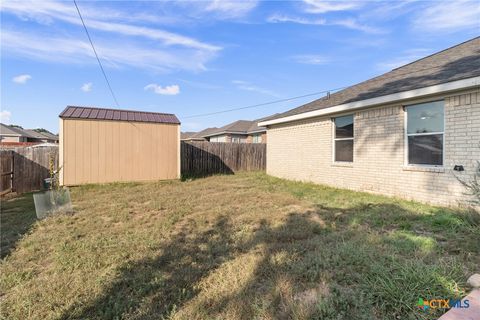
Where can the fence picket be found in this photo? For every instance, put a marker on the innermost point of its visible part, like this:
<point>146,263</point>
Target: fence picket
<point>205,158</point>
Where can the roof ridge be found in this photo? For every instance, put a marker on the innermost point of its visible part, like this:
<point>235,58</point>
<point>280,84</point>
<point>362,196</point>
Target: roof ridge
<point>112,109</point>
<point>435,53</point>
<point>455,63</point>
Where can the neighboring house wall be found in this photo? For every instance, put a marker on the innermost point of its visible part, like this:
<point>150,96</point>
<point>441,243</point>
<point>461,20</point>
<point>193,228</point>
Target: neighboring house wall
<point>303,151</point>
<point>222,138</point>
<point>13,139</point>
<point>228,137</point>
<point>257,137</point>
<point>238,138</point>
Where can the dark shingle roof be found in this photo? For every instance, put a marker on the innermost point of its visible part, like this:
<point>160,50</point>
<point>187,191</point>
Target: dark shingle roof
<point>42,135</point>
<point>14,131</point>
<point>239,126</point>
<point>186,135</point>
<point>75,112</point>
<point>255,128</point>
<point>201,134</point>
<point>50,135</point>
<point>456,63</point>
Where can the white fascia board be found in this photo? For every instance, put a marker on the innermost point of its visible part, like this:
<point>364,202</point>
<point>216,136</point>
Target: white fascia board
<point>417,93</point>
<point>257,131</point>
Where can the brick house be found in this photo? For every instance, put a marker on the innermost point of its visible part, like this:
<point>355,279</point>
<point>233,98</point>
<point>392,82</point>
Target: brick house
<point>240,131</point>
<point>14,134</point>
<point>196,136</point>
<point>406,133</point>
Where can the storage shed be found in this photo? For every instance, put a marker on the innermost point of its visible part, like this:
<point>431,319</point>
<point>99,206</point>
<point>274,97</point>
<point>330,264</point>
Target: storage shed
<point>108,145</point>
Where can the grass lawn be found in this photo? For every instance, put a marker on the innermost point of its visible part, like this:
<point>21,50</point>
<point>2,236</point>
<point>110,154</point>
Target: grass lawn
<point>246,246</point>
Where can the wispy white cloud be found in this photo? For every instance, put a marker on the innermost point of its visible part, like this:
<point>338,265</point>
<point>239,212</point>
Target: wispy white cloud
<point>354,24</point>
<point>46,12</point>
<point>71,50</point>
<point>247,86</point>
<point>322,6</point>
<point>231,9</point>
<point>406,57</point>
<point>449,16</point>
<point>349,23</point>
<point>22,79</point>
<point>86,87</point>
<point>279,18</point>
<point>171,90</point>
<point>60,11</point>
<point>314,59</point>
<point>5,116</point>
<point>170,50</point>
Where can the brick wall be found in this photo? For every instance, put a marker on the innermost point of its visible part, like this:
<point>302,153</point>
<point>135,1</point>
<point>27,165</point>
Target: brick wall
<point>302,150</point>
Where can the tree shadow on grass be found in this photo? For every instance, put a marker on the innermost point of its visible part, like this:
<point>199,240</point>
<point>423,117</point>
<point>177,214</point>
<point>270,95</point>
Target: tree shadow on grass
<point>153,288</point>
<point>17,217</point>
<point>326,263</point>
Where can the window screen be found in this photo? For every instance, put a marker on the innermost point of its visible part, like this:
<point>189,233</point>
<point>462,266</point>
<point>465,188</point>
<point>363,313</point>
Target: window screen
<point>343,138</point>
<point>425,133</point>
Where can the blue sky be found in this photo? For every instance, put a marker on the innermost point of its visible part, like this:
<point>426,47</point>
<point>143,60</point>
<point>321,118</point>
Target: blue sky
<point>191,58</point>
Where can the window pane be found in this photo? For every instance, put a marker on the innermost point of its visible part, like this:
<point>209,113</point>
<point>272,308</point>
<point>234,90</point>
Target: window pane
<point>426,149</point>
<point>425,117</point>
<point>344,150</point>
<point>344,127</point>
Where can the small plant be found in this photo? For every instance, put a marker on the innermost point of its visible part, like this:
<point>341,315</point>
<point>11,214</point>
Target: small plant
<point>57,196</point>
<point>54,174</point>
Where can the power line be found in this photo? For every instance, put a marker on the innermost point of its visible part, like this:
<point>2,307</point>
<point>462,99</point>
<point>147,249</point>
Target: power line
<point>96,55</point>
<point>375,79</point>
<point>263,104</point>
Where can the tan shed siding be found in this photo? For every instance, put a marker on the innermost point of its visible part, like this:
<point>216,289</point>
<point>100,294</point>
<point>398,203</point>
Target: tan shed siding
<point>303,151</point>
<point>97,151</point>
<point>60,150</point>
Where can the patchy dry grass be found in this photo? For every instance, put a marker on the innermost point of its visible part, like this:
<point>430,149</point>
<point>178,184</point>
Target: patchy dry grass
<point>233,247</point>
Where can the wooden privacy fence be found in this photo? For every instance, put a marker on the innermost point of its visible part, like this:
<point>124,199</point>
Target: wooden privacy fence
<point>6,179</point>
<point>29,167</point>
<point>206,158</point>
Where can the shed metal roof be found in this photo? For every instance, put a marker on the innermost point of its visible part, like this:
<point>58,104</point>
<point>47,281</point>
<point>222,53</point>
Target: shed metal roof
<point>92,113</point>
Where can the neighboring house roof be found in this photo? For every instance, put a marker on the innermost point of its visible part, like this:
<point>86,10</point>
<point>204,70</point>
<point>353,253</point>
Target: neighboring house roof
<point>256,128</point>
<point>186,135</point>
<point>75,112</point>
<point>41,135</point>
<point>453,64</point>
<point>50,135</point>
<point>200,135</point>
<point>238,127</point>
<point>13,131</point>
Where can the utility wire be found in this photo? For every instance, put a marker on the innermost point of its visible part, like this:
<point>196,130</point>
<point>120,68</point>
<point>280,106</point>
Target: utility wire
<point>263,104</point>
<point>375,79</point>
<point>96,55</point>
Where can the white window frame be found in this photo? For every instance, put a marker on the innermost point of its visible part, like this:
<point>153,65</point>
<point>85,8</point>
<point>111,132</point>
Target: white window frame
<point>406,135</point>
<point>334,127</point>
<point>257,138</point>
